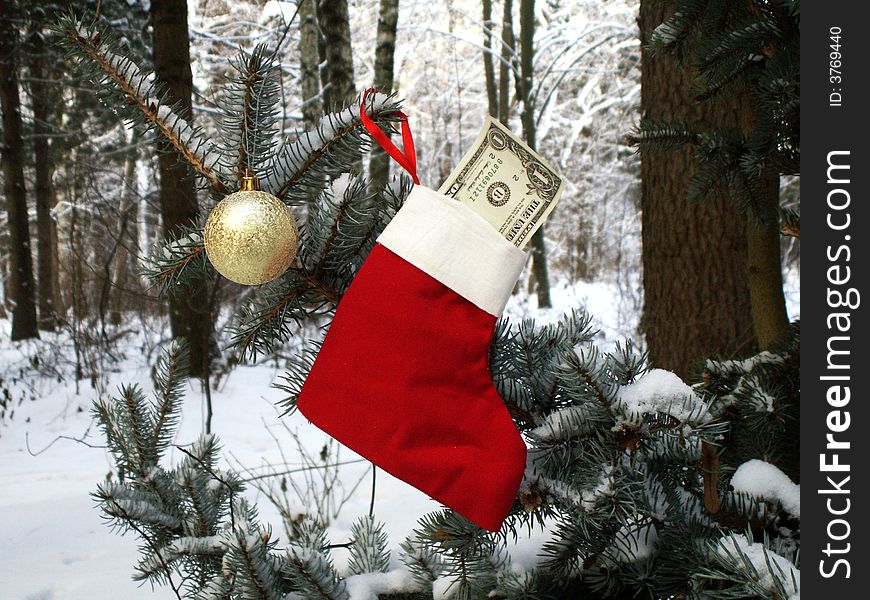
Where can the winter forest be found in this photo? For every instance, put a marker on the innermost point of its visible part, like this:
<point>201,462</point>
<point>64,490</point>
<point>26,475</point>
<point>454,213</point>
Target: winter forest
<point>163,429</point>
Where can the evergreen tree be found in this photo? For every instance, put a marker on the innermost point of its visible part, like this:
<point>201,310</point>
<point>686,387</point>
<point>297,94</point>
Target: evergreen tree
<point>22,287</point>
<point>743,62</point>
<point>631,470</point>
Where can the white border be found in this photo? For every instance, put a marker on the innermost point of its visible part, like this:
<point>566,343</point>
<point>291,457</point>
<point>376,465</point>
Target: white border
<point>453,244</point>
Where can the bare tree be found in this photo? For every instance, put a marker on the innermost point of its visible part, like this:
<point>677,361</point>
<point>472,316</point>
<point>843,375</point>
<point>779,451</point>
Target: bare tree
<point>21,284</point>
<point>507,64</point>
<point>385,50</point>
<point>127,234</point>
<point>43,96</point>
<point>309,62</point>
<point>488,65</point>
<point>189,313</point>
<point>769,315</point>
<point>333,19</point>
<point>524,91</point>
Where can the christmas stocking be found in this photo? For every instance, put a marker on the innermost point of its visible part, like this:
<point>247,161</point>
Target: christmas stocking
<point>402,377</point>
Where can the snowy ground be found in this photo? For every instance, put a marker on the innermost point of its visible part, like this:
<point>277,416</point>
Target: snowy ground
<point>62,550</point>
<point>55,545</point>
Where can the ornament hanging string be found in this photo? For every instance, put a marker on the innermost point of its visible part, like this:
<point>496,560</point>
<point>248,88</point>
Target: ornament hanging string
<point>407,159</point>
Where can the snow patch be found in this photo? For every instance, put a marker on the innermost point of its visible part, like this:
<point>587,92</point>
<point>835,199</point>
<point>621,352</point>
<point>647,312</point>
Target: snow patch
<point>764,480</point>
<point>563,424</point>
<point>367,586</point>
<point>661,392</point>
<point>635,541</point>
<point>769,566</point>
<point>444,588</point>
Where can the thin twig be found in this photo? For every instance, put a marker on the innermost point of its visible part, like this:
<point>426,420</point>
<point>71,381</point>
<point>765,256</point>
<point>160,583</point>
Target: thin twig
<point>374,487</point>
<point>55,440</point>
<point>126,516</point>
<point>218,478</point>
<point>302,469</point>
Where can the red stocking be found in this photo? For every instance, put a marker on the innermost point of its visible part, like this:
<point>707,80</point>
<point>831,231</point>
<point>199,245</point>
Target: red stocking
<point>402,377</point>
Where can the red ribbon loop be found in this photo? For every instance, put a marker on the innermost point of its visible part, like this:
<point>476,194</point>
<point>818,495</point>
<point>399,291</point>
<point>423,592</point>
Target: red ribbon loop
<point>408,159</point>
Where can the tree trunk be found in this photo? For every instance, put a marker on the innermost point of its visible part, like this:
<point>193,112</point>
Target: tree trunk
<point>695,276</point>
<point>309,62</point>
<point>769,314</point>
<point>527,60</point>
<point>76,251</point>
<point>507,60</point>
<point>333,19</point>
<point>189,312</point>
<point>21,285</point>
<point>43,97</point>
<point>488,65</point>
<point>379,164</point>
<point>127,234</point>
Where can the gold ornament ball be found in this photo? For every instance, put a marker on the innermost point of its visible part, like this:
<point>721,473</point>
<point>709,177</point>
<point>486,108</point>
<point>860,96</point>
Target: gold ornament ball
<point>251,236</point>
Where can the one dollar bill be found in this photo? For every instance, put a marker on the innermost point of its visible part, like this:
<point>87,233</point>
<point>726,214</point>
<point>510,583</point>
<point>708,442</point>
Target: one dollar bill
<point>505,182</point>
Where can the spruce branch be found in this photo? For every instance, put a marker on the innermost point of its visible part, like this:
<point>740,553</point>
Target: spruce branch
<point>580,377</point>
<point>139,96</point>
<point>231,484</point>
<point>790,222</point>
<point>368,550</point>
<point>660,136</point>
<point>675,33</point>
<point>751,40</point>
<point>309,568</point>
<point>256,569</point>
<point>177,261</point>
<point>425,565</point>
<point>741,568</point>
<point>297,372</point>
<point>713,82</point>
<point>249,124</point>
<point>155,548</point>
<point>305,165</point>
<point>340,225</point>
<point>268,320</point>
<point>170,376</point>
<point>327,292</point>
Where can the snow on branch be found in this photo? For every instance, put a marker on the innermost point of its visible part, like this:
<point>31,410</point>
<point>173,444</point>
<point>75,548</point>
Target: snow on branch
<point>767,573</point>
<point>661,392</point>
<point>371,585</point>
<point>565,424</point>
<point>764,480</point>
<point>560,491</point>
<point>303,167</point>
<point>177,261</point>
<point>142,96</point>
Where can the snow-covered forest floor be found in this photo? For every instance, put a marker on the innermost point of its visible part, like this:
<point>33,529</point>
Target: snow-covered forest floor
<point>55,544</point>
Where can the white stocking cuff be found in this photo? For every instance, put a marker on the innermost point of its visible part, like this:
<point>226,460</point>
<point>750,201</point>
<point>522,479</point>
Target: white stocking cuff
<point>453,244</point>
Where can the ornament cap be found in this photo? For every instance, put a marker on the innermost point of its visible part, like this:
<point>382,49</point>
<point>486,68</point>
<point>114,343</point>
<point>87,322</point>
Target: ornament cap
<point>250,183</point>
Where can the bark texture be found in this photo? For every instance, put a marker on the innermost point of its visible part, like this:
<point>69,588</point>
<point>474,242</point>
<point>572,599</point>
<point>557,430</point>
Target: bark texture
<point>488,64</point>
<point>335,27</point>
<point>43,99</point>
<point>388,19</point>
<point>126,236</point>
<point>309,62</point>
<point>527,60</point>
<point>189,312</point>
<point>695,272</point>
<point>769,315</point>
<point>20,285</point>
<point>508,43</point>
